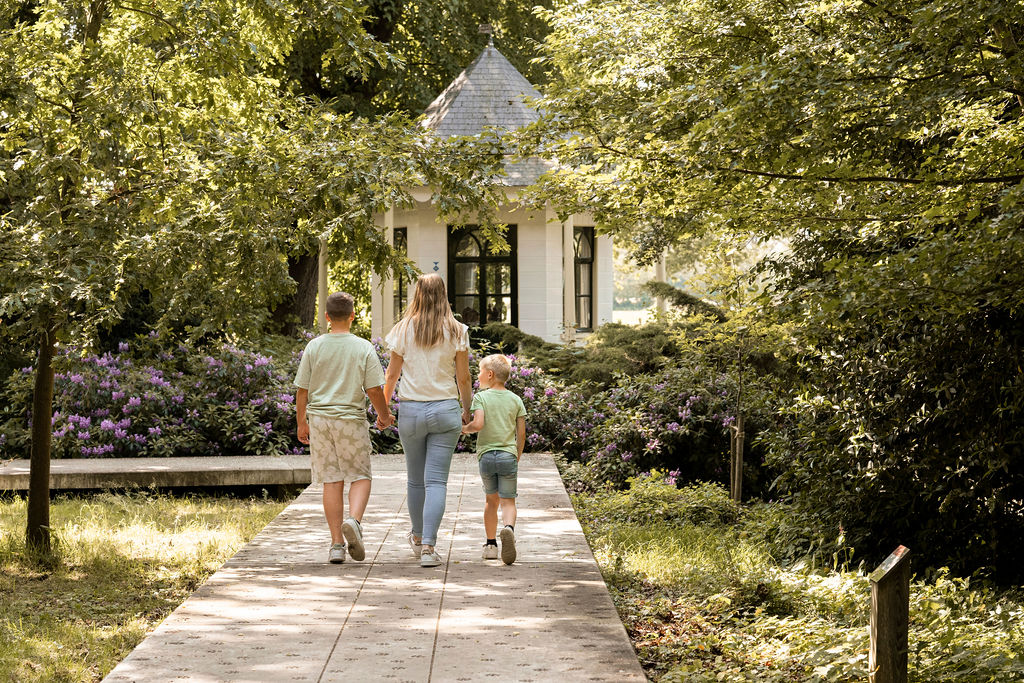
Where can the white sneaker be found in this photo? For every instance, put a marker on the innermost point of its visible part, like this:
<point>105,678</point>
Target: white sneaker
<point>490,552</point>
<point>430,558</point>
<point>508,545</point>
<point>353,531</point>
<point>417,548</point>
<point>337,554</point>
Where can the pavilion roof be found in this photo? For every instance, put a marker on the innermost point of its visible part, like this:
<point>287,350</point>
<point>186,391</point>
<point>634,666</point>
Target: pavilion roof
<point>489,94</point>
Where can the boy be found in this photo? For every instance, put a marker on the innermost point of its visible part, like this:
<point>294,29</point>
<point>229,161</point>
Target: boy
<point>500,418</point>
<point>335,372</point>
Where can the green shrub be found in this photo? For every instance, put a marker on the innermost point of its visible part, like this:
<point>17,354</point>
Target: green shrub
<point>654,499</point>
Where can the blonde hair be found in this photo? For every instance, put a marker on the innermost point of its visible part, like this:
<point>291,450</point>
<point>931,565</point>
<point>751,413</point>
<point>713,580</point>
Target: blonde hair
<point>429,313</point>
<point>499,365</point>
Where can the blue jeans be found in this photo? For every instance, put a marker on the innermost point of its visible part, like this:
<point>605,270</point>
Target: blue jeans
<point>429,431</point>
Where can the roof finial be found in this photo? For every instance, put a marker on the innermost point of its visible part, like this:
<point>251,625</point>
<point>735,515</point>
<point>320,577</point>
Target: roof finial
<point>489,31</point>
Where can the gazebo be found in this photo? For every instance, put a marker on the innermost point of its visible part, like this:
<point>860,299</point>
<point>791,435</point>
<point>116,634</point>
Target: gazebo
<point>554,282</point>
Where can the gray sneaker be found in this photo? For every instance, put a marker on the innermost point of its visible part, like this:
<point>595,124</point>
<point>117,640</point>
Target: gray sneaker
<point>508,545</point>
<point>353,531</point>
<point>337,554</point>
<point>417,548</point>
<point>430,558</point>
<point>490,552</point>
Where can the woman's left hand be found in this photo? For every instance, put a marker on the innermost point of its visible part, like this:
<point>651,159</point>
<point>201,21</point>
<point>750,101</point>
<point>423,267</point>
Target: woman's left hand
<point>466,416</point>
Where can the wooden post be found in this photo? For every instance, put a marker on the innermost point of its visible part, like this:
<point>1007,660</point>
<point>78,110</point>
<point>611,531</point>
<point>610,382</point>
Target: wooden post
<point>890,617</point>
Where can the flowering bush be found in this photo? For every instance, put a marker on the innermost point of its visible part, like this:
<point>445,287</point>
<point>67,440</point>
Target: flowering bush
<point>146,399</point>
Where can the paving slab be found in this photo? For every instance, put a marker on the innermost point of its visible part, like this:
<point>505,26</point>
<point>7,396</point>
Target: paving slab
<point>276,611</point>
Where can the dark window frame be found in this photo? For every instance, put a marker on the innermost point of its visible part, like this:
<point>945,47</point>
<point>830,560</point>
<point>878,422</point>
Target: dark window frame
<point>485,258</point>
<point>586,231</point>
<point>401,293</point>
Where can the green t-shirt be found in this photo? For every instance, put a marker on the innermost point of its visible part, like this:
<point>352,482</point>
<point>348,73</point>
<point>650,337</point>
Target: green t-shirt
<point>337,369</point>
<point>501,410</point>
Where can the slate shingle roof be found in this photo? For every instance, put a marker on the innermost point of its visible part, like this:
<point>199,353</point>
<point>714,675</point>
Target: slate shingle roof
<point>488,94</point>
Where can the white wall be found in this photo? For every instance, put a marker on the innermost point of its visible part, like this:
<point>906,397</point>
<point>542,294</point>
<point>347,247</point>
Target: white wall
<point>540,266</point>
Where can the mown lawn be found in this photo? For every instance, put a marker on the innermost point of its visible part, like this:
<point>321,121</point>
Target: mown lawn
<point>124,561</point>
<point>703,596</point>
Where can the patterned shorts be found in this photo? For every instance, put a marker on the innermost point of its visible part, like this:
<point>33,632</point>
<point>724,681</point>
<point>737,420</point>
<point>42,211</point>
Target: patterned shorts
<point>339,449</point>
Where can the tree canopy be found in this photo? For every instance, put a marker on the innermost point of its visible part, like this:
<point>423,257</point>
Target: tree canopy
<point>152,148</point>
<point>885,141</point>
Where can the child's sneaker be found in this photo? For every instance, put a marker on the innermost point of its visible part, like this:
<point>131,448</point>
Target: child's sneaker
<point>337,554</point>
<point>417,548</point>
<point>353,531</point>
<point>430,558</point>
<point>490,551</point>
<point>508,545</point>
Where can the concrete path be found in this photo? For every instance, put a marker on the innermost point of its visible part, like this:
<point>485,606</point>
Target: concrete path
<point>276,611</point>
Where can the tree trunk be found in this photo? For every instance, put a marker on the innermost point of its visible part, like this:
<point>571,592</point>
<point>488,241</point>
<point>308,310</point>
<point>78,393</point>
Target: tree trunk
<point>299,310</point>
<point>37,531</point>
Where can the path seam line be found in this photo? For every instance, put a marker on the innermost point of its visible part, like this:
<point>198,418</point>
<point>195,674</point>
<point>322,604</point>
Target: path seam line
<point>444,581</point>
<point>359,591</point>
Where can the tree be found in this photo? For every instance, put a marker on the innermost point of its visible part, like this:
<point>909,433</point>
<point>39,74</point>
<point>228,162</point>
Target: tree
<point>885,141</point>
<point>147,148</point>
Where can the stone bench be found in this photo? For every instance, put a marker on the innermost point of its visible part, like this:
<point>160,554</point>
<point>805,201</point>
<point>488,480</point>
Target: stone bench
<point>107,473</point>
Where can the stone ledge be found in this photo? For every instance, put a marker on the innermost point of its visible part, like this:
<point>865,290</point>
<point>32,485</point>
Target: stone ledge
<point>104,473</point>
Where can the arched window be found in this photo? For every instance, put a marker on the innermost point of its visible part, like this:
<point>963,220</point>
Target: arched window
<point>584,262</point>
<point>481,285</point>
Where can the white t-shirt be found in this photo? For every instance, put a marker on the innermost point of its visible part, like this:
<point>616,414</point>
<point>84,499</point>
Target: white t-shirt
<point>427,374</point>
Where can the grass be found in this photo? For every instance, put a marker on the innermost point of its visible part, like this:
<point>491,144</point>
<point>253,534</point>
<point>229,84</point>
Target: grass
<point>122,563</point>
<point>706,599</point>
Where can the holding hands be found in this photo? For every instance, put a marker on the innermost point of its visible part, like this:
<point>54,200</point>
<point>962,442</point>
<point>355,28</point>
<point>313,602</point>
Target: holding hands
<point>384,421</point>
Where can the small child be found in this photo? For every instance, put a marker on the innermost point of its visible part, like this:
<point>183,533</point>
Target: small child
<point>500,418</point>
<point>336,371</point>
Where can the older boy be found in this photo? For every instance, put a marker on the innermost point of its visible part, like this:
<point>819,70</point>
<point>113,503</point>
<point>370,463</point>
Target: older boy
<point>500,418</point>
<point>336,371</point>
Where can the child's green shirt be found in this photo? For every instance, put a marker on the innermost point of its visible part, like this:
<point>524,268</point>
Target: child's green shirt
<point>337,369</point>
<point>501,410</point>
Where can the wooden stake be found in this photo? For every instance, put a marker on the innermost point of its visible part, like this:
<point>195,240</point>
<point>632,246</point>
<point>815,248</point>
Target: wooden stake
<point>890,617</point>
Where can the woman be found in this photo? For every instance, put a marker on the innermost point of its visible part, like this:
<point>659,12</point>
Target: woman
<point>430,353</point>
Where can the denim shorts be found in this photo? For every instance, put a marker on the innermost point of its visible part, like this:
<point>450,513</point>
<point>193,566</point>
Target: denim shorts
<point>499,471</point>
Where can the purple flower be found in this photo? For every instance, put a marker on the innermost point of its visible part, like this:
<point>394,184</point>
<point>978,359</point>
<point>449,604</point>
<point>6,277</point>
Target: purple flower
<point>155,431</point>
<point>123,424</point>
<point>107,425</point>
<point>672,426</point>
<point>135,401</point>
<point>83,436</point>
<point>653,445</point>
<point>626,457</point>
<point>528,393</point>
<point>727,421</point>
<point>120,433</point>
<point>261,361</point>
<point>549,392</point>
<point>117,396</point>
<point>231,404</point>
<point>77,378</point>
<point>138,438</point>
<point>122,347</point>
<point>178,398</point>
